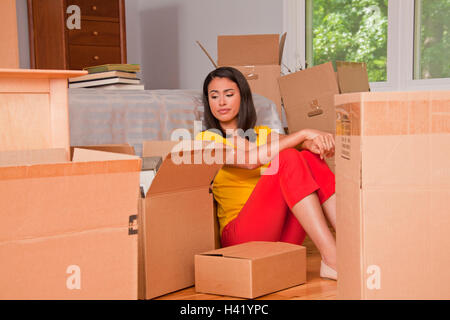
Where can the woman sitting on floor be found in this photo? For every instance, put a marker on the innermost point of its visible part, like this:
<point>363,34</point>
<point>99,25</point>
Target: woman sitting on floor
<point>285,192</point>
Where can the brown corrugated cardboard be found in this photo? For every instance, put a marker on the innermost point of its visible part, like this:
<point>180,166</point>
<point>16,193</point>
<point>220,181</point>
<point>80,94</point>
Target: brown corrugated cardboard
<point>67,229</point>
<point>393,191</point>
<point>244,50</point>
<point>352,77</point>
<point>115,148</point>
<point>258,57</point>
<point>179,221</point>
<point>32,157</point>
<point>308,98</point>
<point>251,269</point>
<point>308,95</point>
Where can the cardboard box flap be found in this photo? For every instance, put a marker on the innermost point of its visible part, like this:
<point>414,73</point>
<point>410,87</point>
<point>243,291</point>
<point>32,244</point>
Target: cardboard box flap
<point>174,175</point>
<point>352,77</point>
<point>32,157</point>
<point>86,155</point>
<point>88,166</point>
<point>282,42</point>
<point>157,148</point>
<point>254,250</point>
<point>115,148</point>
<point>241,50</point>
<point>298,88</point>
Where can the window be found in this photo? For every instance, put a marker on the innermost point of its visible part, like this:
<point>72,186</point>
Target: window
<point>348,30</point>
<point>431,39</point>
<point>405,43</point>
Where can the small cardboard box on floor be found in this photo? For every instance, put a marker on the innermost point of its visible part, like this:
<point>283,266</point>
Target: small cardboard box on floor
<point>67,228</point>
<point>308,95</point>
<point>258,57</point>
<point>393,195</point>
<point>251,269</point>
<point>178,221</point>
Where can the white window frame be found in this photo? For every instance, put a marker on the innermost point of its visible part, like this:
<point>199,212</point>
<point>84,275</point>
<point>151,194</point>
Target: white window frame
<point>400,46</point>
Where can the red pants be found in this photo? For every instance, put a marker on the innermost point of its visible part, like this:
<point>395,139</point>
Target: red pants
<point>267,214</point>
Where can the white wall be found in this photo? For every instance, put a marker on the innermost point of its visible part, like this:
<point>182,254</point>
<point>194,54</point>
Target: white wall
<point>169,28</point>
<point>161,35</point>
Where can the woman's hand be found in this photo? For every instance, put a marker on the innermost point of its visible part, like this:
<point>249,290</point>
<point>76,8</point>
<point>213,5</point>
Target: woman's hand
<point>319,142</point>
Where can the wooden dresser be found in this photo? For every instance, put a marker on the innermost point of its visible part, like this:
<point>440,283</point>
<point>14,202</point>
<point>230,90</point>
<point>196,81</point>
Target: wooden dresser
<point>100,40</point>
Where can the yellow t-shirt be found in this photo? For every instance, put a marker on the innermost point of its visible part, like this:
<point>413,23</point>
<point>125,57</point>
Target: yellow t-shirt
<point>233,186</point>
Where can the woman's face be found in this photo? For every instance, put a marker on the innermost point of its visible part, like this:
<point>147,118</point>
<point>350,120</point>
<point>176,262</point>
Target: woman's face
<point>224,100</point>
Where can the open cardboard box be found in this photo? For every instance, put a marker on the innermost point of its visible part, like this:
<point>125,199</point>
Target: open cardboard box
<point>251,269</point>
<point>258,57</point>
<point>308,95</point>
<point>68,227</point>
<point>393,195</point>
<point>177,218</point>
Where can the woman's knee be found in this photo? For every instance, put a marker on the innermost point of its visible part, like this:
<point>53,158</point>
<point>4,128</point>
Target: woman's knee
<point>289,153</point>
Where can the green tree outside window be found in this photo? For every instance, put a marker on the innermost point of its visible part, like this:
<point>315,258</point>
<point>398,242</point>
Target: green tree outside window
<point>432,39</point>
<point>348,30</point>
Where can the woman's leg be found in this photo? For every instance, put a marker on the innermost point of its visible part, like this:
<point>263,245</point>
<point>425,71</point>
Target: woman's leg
<point>265,216</point>
<point>309,212</point>
<point>329,207</point>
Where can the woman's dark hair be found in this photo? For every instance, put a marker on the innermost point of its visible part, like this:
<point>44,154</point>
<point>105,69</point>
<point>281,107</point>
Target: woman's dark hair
<point>247,112</point>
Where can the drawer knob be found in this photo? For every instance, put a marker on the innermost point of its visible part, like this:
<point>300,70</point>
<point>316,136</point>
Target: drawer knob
<point>96,57</point>
<point>95,33</point>
<point>94,8</point>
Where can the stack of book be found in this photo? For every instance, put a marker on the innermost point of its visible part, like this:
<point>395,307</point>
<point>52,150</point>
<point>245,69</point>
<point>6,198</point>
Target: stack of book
<point>109,76</point>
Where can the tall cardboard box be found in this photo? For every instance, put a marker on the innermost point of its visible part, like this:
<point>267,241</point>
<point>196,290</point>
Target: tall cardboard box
<point>68,228</point>
<point>258,57</point>
<point>308,95</point>
<point>178,220</point>
<point>393,195</point>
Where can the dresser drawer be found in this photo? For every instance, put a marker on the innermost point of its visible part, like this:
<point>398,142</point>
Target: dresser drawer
<point>99,33</point>
<point>86,56</point>
<point>97,8</point>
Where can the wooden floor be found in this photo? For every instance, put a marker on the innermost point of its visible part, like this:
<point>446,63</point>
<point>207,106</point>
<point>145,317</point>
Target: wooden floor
<point>315,287</point>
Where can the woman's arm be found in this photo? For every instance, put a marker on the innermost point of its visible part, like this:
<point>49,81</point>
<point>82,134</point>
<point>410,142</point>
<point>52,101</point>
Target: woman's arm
<point>255,156</point>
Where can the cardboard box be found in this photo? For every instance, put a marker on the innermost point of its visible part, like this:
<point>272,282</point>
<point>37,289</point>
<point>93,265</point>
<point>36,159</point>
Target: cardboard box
<point>170,260</point>
<point>178,218</point>
<point>34,113</point>
<point>308,95</point>
<point>68,227</point>
<point>251,269</point>
<point>258,57</point>
<point>393,195</point>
